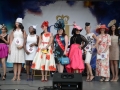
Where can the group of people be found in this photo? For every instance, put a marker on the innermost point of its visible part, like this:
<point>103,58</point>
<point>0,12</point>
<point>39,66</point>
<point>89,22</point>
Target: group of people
<point>44,52</point>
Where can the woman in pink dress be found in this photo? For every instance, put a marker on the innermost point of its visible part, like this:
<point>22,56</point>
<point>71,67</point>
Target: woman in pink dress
<point>4,41</point>
<point>75,54</point>
<point>102,63</point>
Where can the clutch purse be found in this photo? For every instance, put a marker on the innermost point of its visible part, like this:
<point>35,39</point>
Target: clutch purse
<point>45,51</point>
<point>64,60</point>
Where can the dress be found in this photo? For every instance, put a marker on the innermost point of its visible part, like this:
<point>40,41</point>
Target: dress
<point>75,53</point>
<point>43,61</point>
<point>3,48</point>
<point>17,56</point>
<point>88,48</point>
<point>58,51</point>
<point>114,48</point>
<point>30,40</point>
<point>102,66</point>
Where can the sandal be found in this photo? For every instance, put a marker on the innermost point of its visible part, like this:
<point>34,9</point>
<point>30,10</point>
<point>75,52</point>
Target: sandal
<point>88,78</point>
<point>102,79</point>
<point>91,79</point>
<point>4,77</point>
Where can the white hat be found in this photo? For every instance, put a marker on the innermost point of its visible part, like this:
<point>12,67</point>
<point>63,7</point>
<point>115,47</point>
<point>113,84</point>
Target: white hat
<point>19,20</point>
<point>34,26</point>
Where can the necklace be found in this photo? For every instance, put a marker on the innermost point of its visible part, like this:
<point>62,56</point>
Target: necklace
<point>3,35</point>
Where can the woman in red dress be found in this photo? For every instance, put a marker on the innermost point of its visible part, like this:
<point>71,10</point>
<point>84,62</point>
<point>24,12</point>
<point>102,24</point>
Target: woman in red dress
<point>75,55</point>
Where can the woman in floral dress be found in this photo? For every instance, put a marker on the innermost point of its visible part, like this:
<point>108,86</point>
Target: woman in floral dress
<point>102,64</point>
<point>44,58</point>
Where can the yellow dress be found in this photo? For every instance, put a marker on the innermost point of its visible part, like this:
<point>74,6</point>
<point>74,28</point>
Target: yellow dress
<point>44,61</point>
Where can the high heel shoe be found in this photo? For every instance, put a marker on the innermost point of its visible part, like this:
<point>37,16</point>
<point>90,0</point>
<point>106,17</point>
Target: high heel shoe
<point>102,79</point>
<point>116,79</point>
<point>88,78</point>
<point>31,77</point>
<point>4,77</point>
<point>91,79</point>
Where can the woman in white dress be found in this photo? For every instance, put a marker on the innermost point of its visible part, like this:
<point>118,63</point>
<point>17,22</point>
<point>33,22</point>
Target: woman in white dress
<point>16,50</point>
<point>88,50</point>
<point>31,43</point>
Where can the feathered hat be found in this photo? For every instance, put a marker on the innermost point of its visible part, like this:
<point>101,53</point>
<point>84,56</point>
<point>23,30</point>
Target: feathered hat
<point>77,27</point>
<point>1,26</point>
<point>45,23</point>
<point>60,24</point>
<point>19,20</point>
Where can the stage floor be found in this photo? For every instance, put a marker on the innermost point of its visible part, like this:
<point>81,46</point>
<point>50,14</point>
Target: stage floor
<point>33,85</point>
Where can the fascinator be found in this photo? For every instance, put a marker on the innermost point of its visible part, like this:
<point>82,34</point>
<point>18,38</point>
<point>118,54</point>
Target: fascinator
<point>87,24</point>
<point>45,23</point>
<point>111,23</point>
<point>77,27</point>
<point>19,20</point>
<point>60,24</point>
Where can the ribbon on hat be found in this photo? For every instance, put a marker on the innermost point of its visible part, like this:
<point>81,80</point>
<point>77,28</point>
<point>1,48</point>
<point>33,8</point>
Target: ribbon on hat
<point>76,26</point>
<point>34,26</point>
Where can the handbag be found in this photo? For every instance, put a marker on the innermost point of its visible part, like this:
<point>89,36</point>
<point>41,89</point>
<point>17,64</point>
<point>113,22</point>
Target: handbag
<point>45,51</point>
<point>64,60</point>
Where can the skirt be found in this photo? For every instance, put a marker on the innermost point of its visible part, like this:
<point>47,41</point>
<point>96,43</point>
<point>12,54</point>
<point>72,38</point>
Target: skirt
<point>3,50</point>
<point>76,61</point>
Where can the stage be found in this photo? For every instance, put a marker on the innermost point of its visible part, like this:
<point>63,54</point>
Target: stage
<point>33,85</point>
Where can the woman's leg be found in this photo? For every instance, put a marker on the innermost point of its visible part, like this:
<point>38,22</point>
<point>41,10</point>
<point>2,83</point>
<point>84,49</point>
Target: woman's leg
<point>46,72</point>
<point>116,70</point>
<point>3,61</point>
<point>90,71</point>
<point>42,72</point>
<point>112,69</point>
<point>61,68</point>
<point>27,68</point>
<point>19,71</point>
<point>15,71</point>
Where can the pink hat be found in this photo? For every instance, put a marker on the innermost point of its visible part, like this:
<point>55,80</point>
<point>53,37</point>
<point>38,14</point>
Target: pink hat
<point>102,27</point>
<point>77,27</point>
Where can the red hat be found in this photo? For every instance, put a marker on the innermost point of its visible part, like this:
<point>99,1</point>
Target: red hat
<point>45,23</point>
<point>101,27</point>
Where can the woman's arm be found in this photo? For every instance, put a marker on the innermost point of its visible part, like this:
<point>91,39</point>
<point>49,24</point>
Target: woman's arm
<point>6,41</point>
<point>95,37</point>
<point>66,43</point>
<point>11,39</point>
<point>84,40</point>
<point>51,41</point>
<point>25,41</point>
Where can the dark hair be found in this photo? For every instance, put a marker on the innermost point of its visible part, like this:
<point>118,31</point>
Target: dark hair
<point>63,34</point>
<point>33,29</point>
<point>43,31</point>
<point>74,31</point>
<point>5,28</point>
<point>116,30</point>
<point>20,26</point>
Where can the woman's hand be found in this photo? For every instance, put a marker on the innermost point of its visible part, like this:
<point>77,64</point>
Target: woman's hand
<point>98,52</point>
<point>43,49</point>
<point>65,53</point>
<point>33,44</point>
<point>20,47</point>
<point>27,52</point>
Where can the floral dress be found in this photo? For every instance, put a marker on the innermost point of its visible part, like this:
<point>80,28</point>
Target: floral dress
<point>58,51</point>
<point>102,66</point>
<point>43,61</point>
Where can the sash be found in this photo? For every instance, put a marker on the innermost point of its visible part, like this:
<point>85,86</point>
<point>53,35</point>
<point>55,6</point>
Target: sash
<point>60,43</point>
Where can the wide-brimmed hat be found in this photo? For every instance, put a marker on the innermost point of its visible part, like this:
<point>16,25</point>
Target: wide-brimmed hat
<point>45,23</point>
<point>60,24</point>
<point>77,27</point>
<point>111,23</point>
<point>101,27</point>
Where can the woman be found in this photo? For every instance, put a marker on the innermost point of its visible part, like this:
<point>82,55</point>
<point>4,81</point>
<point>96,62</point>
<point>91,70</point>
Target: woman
<point>44,58</point>
<point>114,49</point>
<point>4,41</point>
<point>16,49</point>
<point>61,44</point>
<point>31,43</point>
<point>102,63</point>
<point>90,37</point>
<point>75,54</point>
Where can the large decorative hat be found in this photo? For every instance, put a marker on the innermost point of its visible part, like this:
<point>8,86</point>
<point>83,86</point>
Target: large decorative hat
<point>1,26</point>
<point>87,24</point>
<point>45,23</point>
<point>19,20</point>
<point>77,27</point>
<point>59,24</point>
<point>101,27</point>
<point>111,23</point>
